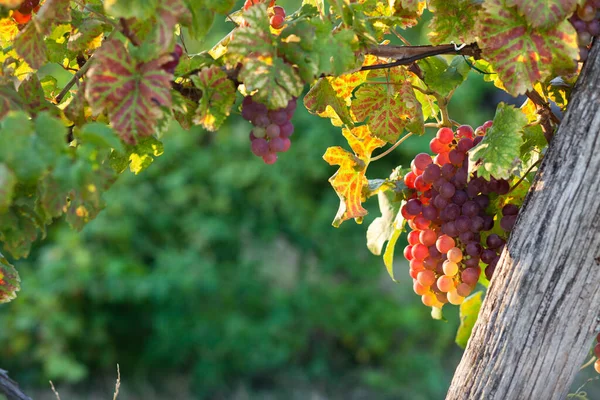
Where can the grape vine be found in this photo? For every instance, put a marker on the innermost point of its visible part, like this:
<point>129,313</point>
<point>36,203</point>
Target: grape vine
<point>64,143</point>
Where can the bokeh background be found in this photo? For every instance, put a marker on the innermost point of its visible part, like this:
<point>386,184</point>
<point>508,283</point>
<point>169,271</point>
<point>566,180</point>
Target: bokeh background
<point>214,276</point>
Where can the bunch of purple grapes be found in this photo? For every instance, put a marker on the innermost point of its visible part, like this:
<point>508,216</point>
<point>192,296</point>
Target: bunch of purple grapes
<point>272,128</point>
<point>449,215</point>
<point>586,21</point>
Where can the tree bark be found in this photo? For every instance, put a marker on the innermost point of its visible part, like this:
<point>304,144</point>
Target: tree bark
<point>541,311</point>
<point>10,388</point>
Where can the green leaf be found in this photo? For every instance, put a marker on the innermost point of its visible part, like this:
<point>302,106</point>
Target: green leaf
<point>322,97</point>
<point>33,96</point>
<point>8,181</point>
<point>218,96</point>
<point>389,107</point>
<point>101,135</point>
<point>17,147</point>
<point>9,281</point>
<point>131,92</point>
<point>50,136</point>
<point>453,20</point>
<point>140,9</point>
<point>498,152</point>
<point>441,77</point>
<point>276,81</point>
<point>534,142</point>
<point>520,54</point>
<point>137,157</point>
<point>201,19</point>
<point>340,44</point>
<point>382,228</point>
<point>86,33</point>
<point>469,310</point>
<point>388,256</point>
<point>220,6</point>
<point>544,14</point>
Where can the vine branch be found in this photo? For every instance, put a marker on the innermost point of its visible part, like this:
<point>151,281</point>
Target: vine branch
<point>545,113</point>
<point>10,388</point>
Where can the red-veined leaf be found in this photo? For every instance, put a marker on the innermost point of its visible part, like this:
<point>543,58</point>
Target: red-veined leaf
<point>9,281</point>
<point>544,13</point>
<point>169,12</point>
<point>30,45</point>
<point>131,92</point>
<point>218,96</point>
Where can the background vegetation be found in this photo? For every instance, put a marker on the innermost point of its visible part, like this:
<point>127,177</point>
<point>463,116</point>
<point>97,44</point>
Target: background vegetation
<point>212,275</point>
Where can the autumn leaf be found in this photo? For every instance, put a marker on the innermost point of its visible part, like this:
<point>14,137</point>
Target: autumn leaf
<point>544,13</point>
<point>349,180</point>
<point>130,91</point>
<point>218,96</point>
<point>9,281</point>
<point>453,20</point>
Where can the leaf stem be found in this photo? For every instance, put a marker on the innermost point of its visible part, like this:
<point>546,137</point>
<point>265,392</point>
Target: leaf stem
<point>525,174</point>
<point>388,151</point>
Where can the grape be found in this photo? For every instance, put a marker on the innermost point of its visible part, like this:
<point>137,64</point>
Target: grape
<point>278,145</point>
<point>259,132</point>
<point>413,237</point>
<point>460,197</point>
<point>448,171</point>
<point>464,131</point>
<point>464,144</point>
<point>428,237</point>
<point>461,177</point>
<point>438,147</point>
<point>420,251</point>
<point>597,350</point>
<point>488,256</point>
<point>286,130</point>
<point>455,254</point>
<point>447,190</point>
<point>470,209</point>
<point>494,241</point>
<point>439,202</point>
<point>421,222</point>
<point>466,237</point>
<point>408,253</point>
<point>455,298</point>
<point>488,222</point>
<point>597,366</point>
<point>445,283</point>
<point>451,212</point>
<point>430,263</point>
<point>445,135</point>
<point>463,289</point>
<point>419,289</point>
<point>261,120</point>
<point>426,278</point>
<point>473,249</point>
<point>421,185</point>
<point>260,147</point>
<point>409,180</point>
<point>477,140</point>
<point>422,160</point>
<point>510,209</point>
<point>417,265</point>
<point>270,158</point>
<point>428,299</point>
<point>431,173</point>
<point>27,6</point>
<point>593,27</point>
<point>444,243</point>
<point>508,222</point>
<point>277,21</point>
<point>414,207</point>
<point>441,297</point>
<point>587,12</point>
<point>449,228</point>
<point>456,157</point>
<point>273,131</point>
<point>489,271</point>
<point>442,159</point>
<point>472,262</point>
<point>463,223</point>
<point>279,10</point>
<point>450,268</point>
<point>430,212</point>
<point>470,275</point>
<point>503,186</point>
<point>482,200</point>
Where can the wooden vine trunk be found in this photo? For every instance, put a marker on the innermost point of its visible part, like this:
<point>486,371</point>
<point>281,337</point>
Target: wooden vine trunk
<point>540,315</point>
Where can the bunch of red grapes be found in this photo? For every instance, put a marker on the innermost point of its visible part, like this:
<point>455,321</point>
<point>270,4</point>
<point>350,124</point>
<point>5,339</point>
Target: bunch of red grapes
<point>586,21</point>
<point>272,128</point>
<point>23,14</point>
<point>276,13</point>
<point>447,213</point>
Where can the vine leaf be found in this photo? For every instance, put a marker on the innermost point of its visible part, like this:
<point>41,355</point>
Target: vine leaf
<point>323,100</point>
<point>8,181</point>
<point>276,81</point>
<point>256,36</point>
<point>86,33</point>
<point>168,14</point>
<point>218,96</point>
<point>131,92</point>
<point>51,12</point>
<point>544,14</point>
<point>140,9</point>
<point>30,45</point>
<point>9,281</point>
<point>137,157</point>
<point>520,54</point>
<point>389,106</point>
<point>500,148</point>
<point>33,96</point>
<point>453,20</point>
<point>350,179</point>
<point>441,77</point>
<point>200,19</point>
<point>469,310</point>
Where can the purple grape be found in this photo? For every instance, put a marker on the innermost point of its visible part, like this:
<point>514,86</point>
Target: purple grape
<point>510,209</point>
<point>472,262</point>
<point>489,271</point>
<point>431,173</point>
<point>460,197</point>
<point>466,237</point>
<point>477,140</point>
<point>260,147</point>
<point>463,223</point>
<point>286,130</point>
<point>508,222</point>
<point>470,208</point>
<point>449,229</point>
<point>478,223</point>
<point>456,157</point>
<point>448,171</point>
<point>450,213</point>
<point>414,207</point>
<point>439,202</point>
<point>593,27</point>
<point>439,183</point>
<point>503,186</point>
<point>278,117</point>
<point>461,177</point>
<point>430,263</point>
<point>488,255</point>
<point>464,144</point>
<point>482,200</point>
<point>428,194</point>
<point>434,253</point>
<point>277,145</point>
<point>494,241</point>
<point>488,222</point>
<point>430,213</point>
<point>473,249</point>
<point>273,131</point>
<point>422,160</point>
<point>261,120</point>
<point>447,190</point>
<point>270,158</point>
